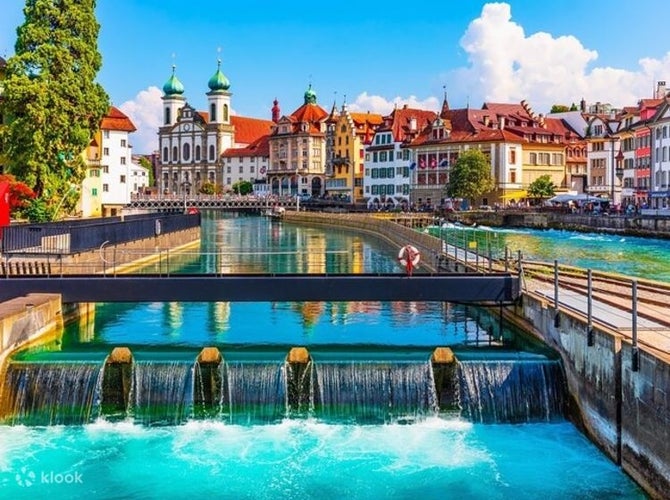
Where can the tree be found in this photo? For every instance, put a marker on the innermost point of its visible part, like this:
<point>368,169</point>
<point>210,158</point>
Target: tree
<point>243,187</point>
<point>20,195</point>
<point>208,187</point>
<point>559,108</point>
<point>470,177</point>
<point>51,100</point>
<point>541,188</point>
<point>144,162</point>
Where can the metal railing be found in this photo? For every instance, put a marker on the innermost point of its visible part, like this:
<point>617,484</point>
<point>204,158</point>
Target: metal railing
<point>70,237</point>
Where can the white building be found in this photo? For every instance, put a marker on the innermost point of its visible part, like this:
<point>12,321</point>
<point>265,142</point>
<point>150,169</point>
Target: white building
<point>119,176</point>
<point>388,163</point>
<point>660,157</point>
<point>192,142</point>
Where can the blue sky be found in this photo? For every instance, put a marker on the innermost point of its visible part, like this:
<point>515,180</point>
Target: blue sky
<point>377,54</point>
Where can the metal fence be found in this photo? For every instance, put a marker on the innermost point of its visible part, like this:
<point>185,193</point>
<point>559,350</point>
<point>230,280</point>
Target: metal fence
<point>71,237</point>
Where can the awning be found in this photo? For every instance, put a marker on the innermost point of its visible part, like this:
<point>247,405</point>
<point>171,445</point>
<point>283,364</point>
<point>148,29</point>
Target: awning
<point>514,195</point>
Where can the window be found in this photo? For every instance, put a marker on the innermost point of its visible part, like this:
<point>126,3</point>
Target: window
<point>105,188</point>
<point>123,143</point>
<point>175,153</point>
<point>105,169</point>
<point>105,151</point>
<point>186,154</point>
<point>95,172</point>
<point>212,153</point>
<point>212,112</point>
<point>512,156</point>
<point>197,153</point>
<point>228,169</point>
<point>105,134</point>
<point>533,158</point>
<point>94,192</point>
<point>165,154</point>
<point>225,113</point>
<point>122,179</point>
<point>167,116</point>
<point>123,160</point>
<point>241,171</point>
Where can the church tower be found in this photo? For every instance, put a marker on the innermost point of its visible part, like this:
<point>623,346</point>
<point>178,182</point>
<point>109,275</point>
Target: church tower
<point>173,99</point>
<point>218,98</point>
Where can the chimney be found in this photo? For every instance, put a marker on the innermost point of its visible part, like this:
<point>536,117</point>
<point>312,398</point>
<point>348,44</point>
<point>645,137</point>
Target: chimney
<point>660,90</point>
<point>541,120</point>
<point>582,105</point>
<point>501,122</point>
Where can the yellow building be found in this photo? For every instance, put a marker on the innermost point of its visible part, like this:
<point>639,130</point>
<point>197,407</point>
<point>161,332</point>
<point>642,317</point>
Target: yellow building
<point>352,132</point>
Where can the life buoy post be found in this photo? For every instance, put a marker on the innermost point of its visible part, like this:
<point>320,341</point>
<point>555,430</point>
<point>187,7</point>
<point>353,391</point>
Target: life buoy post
<point>409,257</point>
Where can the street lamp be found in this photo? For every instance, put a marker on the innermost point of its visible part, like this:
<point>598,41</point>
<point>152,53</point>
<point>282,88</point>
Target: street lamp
<point>619,171</point>
<point>185,186</point>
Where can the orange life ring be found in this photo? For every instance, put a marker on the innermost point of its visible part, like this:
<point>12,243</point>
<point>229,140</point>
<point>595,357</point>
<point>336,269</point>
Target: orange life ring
<point>409,256</point>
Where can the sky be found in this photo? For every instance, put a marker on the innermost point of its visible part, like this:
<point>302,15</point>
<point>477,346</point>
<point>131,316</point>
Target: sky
<point>373,55</point>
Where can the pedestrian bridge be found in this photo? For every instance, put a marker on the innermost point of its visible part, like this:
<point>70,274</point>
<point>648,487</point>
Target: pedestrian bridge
<point>472,288</point>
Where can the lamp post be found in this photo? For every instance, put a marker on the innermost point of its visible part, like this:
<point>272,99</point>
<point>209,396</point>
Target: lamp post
<point>619,173</point>
<point>185,186</point>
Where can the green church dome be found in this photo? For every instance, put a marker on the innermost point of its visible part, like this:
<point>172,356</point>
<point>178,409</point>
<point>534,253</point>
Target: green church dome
<point>310,95</point>
<point>173,86</point>
<point>219,80</point>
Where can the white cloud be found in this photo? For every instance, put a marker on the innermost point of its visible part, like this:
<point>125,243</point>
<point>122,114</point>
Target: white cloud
<point>145,112</point>
<point>506,65</point>
<point>378,104</point>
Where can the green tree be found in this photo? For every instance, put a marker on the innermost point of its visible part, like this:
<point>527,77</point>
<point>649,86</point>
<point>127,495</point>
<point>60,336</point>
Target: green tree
<point>51,100</point>
<point>243,187</point>
<point>541,188</point>
<point>208,187</point>
<point>144,162</point>
<point>470,177</point>
<point>559,108</point>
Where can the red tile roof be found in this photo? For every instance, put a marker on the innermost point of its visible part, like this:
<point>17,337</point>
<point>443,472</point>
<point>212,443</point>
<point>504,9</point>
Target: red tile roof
<point>312,113</point>
<point>116,120</point>
<point>260,147</point>
<point>400,122</point>
<point>248,130</point>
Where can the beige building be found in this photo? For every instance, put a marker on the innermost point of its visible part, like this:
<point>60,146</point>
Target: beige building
<point>298,150</point>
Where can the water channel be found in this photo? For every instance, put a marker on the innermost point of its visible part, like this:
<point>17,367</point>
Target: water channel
<point>369,425</point>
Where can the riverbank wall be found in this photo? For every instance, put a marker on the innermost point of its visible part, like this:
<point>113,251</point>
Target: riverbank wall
<point>620,397</point>
<point>34,319</point>
<point>391,233</point>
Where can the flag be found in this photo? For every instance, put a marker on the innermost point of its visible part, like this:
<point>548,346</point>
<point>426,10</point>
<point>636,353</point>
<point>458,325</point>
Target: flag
<point>412,165</point>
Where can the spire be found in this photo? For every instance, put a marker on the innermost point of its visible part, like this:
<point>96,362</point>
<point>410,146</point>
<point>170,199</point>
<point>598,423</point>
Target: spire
<point>275,111</point>
<point>445,105</point>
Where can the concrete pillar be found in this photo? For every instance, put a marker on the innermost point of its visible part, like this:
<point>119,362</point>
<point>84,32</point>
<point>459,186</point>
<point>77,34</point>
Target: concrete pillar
<point>209,383</point>
<point>299,380</point>
<point>445,373</point>
<point>116,383</point>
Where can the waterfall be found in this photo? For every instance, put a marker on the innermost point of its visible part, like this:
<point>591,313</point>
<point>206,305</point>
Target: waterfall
<point>162,392</point>
<point>377,392</point>
<point>254,392</point>
<point>511,391</point>
<point>52,393</point>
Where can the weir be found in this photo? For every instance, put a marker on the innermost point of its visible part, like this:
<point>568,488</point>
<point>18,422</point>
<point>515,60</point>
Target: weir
<point>169,389</point>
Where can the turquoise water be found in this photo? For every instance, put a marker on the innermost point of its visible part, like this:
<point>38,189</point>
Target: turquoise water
<point>310,456</point>
<point>629,255</point>
<point>435,459</point>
